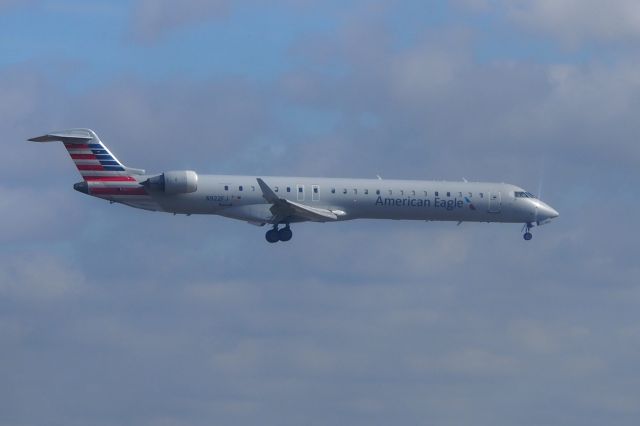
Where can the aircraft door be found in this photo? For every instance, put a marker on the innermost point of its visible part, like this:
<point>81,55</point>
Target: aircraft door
<point>300,190</point>
<point>315,192</point>
<point>495,202</point>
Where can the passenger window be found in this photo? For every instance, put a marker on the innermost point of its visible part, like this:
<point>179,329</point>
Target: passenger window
<point>240,188</point>
<point>253,188</point>
<point>226,187</point>
<point>448,194</point>
<point>366,192</point>
<point>425,193</point>
<point>391,192</point>
<point>276,189</point>
<point>355,192</point>
<point>300,189</point>
<point>413,192</point>
<point>344,190</point>
<point>481,195</point>
<point>436,193</point>
<point>377,192</point>
<point>288,189</point>
<point>333,190</point>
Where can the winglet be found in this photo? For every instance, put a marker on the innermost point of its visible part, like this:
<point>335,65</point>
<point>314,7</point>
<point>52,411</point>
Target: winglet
<point>267,192</point>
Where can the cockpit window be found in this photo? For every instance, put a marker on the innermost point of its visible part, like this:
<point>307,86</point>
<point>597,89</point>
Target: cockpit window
<point>523,194</point>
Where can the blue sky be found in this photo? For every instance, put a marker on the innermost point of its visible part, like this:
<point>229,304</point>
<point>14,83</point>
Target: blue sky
<point>252,38</point>
<point>110,315</point>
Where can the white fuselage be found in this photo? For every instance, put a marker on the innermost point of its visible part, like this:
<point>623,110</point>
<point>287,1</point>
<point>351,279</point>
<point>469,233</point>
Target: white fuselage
<point>240,197</point>
<point>285,200</point>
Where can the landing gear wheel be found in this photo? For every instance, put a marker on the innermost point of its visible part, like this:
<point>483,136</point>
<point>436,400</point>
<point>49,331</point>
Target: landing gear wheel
<point>272,236</point>
<point>527,231</point>
<point>285,234</point>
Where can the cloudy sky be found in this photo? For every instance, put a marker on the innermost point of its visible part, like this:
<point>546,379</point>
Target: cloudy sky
<point>115,316</point>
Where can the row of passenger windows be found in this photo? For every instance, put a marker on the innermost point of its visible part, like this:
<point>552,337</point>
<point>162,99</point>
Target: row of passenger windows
<point>240,188</point>
<point>401,192</point>
<point>275,188</point>
<point>413,193</point>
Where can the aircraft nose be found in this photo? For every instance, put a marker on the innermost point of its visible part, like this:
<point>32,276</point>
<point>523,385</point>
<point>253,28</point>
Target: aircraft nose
<point>546,212</point>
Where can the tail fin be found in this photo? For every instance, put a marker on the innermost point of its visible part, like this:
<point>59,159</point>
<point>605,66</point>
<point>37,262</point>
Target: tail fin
<point>92,158</point>
<point>104,175</point>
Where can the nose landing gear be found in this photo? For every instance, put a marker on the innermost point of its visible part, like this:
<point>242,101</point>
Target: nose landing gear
<point>274,235</point>
<point>527,235</point>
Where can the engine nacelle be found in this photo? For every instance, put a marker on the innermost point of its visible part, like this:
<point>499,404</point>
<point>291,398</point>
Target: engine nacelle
<point>174,182</point>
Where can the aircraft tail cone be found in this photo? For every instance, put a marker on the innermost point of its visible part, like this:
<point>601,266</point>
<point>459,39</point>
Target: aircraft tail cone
<point>81,187</point>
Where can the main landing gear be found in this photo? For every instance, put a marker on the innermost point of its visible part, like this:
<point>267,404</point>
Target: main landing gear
<point>274,235</point>
<point>527,235</point>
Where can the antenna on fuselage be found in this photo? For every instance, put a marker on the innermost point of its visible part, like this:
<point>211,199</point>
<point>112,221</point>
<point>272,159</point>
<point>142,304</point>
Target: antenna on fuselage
<point>378,176</point>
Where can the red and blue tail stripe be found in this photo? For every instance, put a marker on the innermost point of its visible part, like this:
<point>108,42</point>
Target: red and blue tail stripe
<point>104,174</point>
<point>94,157</point>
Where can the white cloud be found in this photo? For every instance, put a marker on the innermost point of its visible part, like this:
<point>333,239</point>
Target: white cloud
<point>155,18</point>
<point>578,21</point>
<point>6,4</point>
<point>477,361</point>
<point>20,93</point>
<point>39,277</point>
<point>473,5</point>
<point>425,72</point>
<point>541,337</point>
<point>40,215</point>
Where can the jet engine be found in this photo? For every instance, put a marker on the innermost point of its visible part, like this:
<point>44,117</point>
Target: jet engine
<point>174,182</point>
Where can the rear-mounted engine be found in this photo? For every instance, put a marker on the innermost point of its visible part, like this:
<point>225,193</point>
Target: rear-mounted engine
<point>175,182</point>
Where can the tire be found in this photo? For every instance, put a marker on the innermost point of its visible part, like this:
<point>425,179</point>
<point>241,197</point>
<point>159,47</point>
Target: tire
<point>285,234</point>
<point>272,236</point>
<point>528,236</point>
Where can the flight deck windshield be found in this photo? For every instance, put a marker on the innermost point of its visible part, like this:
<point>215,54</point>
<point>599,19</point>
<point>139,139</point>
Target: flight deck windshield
<point>522,194</point>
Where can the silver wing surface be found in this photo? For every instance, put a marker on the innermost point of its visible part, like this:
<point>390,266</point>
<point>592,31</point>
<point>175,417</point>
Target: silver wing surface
<point>283,209</point>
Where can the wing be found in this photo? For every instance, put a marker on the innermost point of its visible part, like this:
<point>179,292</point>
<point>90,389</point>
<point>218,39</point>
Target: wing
<point>282,209</point>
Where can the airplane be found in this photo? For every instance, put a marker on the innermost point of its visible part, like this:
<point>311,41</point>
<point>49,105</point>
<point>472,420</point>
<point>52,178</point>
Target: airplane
<point>282,201</point>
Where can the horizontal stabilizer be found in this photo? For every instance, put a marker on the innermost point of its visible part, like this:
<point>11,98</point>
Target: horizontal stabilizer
<point>133,171</point>
<point>66,136</point>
